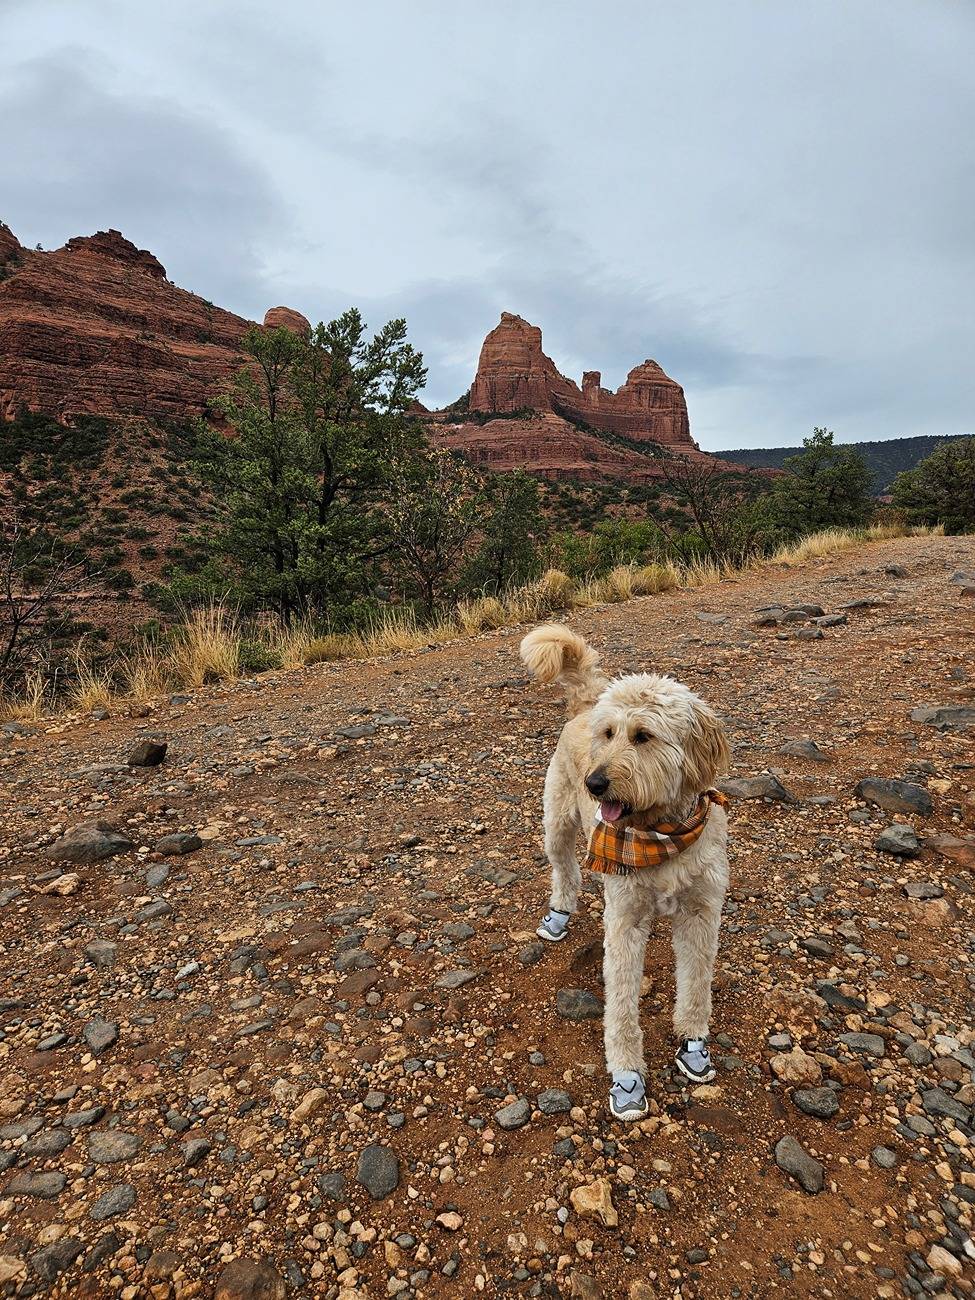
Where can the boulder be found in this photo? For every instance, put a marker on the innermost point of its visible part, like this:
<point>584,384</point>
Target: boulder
<point>894,795</point>
<point>89,842</point>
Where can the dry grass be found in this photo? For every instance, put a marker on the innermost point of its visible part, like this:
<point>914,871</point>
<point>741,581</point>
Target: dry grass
<point>483,613</point>
<point>144,675</point>
<point>91,688</point>
<point>207,647</point>
<point>833,540</point>
<point>30,704</point>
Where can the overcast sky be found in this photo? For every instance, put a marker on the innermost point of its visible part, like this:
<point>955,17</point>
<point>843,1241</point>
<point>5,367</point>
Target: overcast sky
<point>775,199</point>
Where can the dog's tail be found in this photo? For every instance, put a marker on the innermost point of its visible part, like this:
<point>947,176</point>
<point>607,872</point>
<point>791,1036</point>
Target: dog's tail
<point>554,653</point>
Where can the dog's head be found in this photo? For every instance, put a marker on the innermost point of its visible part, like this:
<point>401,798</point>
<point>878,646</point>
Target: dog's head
<point>655,744</point>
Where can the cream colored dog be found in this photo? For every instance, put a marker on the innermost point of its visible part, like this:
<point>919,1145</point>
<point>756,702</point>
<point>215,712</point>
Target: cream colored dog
<point>637,751</point>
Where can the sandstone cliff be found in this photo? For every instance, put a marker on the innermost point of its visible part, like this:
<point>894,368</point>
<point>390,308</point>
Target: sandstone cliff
<point>96,328</point>
<point>560,430</point>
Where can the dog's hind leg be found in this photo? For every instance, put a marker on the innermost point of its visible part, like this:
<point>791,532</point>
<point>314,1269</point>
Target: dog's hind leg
<point>561,828</point>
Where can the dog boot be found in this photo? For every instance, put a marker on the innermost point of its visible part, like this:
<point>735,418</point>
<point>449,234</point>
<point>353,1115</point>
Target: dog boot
<point>694,1060</point>
<point>554,926</point>
<point>628,1096</point>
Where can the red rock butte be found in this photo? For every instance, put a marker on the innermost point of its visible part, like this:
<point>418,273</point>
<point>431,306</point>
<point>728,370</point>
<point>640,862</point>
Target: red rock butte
<point>96,328</point>
<point>561,430</point>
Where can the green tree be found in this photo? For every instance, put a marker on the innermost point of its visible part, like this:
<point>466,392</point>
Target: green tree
<point>719,503</point>
<point>432,513</point>
<point>824,486</point>
<point>317,423</point>
<point>510,532</point>
<point>941,489</point>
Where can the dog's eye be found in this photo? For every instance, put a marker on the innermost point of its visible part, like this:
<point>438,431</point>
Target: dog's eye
<point>609,733</point>
<point>641,737</point>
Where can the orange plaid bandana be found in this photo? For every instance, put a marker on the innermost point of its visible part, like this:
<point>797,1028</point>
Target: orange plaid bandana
<point>618,851</point>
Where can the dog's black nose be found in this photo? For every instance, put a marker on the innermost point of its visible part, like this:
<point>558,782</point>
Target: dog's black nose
<point>597,782</point>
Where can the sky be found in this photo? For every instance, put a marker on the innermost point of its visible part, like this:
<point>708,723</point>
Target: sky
<point>774,199</point>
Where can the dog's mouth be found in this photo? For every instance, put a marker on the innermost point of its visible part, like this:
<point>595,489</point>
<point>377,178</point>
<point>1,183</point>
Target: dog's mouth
<point>611,810</point>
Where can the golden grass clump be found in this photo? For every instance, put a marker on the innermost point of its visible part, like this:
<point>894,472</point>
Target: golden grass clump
<point>91,689</point>
<point>206,648</point>
<point>30,704</point>
<point>481,613</point>
<point>651,579</point>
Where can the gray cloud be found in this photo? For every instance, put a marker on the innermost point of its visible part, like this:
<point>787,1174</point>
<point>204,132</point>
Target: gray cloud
<point>772,201</point>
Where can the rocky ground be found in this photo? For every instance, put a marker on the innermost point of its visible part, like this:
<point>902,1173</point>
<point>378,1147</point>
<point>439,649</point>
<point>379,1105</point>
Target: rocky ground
<point>295,1036</point>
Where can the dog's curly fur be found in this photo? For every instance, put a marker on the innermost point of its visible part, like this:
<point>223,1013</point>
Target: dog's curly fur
<point>660,746</point>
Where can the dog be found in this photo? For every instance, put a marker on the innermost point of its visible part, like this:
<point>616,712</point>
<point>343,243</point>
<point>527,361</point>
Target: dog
<point>638,752</point>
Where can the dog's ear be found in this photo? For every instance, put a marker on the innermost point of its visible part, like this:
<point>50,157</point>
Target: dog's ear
<point>706,752</point>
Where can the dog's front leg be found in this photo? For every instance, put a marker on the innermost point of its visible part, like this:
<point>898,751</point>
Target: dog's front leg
<point>626,919</point>
<point>695,941</point>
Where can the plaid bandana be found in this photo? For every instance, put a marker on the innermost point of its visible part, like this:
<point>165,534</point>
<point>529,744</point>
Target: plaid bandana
<point>618,851</point>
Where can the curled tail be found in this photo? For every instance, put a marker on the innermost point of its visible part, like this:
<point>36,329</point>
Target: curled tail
<point>554,653</point>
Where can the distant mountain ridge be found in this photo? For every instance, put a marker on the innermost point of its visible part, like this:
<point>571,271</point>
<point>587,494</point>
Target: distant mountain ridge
<point>885,459</point>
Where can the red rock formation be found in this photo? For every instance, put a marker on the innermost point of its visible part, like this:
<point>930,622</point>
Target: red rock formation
<point>514,373</point>
<point>96,328</point>
<point>588,432</point>
<point>286,318</point>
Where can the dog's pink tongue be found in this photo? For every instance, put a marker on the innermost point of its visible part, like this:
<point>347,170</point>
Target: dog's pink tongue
<point>610,812</point>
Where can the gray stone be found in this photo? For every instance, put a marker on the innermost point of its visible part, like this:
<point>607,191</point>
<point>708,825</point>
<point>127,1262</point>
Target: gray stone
<point>515,1115</point>
<point>43,1186</point>
<point>923,889</point>
<point>553,1101</point>
<point>51,1042</point>
<point>332,1186</point>
<point>82,1118</point>
<point>157,875</point>
<point>658,1199</point>
<point>378,1171</point>
<point>195,1150</point>
<point>117,1200</point>
<point>48,1144</point>
<point>178,843</point>
<point>946,717</point>
<point>50,1261</point>
<point>456,979</point>
<point>154,911</point>
<point>89,842</point>
<point>894,795</point>
<point>917,1054</point>
<point>823,1103</point>
<point>937,1102</point>
<point>108,1146</point>
<point>147,753</point>
<point>101,953</point>
<point>805,749</point>
<point>578,1004</point>
<point>100,1035</point>
<point>764,786</point>
<point>883,1157</point>
<point>21,1128</point>
<point>817,947</point>
<point>898,839</point>
<point>532,953</point>
<point>864,1044</point>
<point>374,1101</point>
<point>831,620</point>
<point>800,1165</point>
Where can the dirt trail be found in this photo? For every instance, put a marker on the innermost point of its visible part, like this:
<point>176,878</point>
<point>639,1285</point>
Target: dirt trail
<point>290,1045</point>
